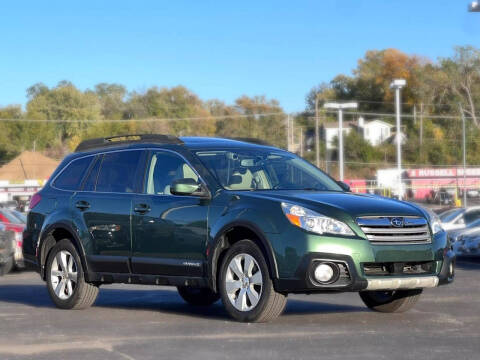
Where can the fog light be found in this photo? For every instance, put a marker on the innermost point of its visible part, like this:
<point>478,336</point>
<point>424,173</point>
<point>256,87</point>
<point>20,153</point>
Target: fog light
<point>324,272</point>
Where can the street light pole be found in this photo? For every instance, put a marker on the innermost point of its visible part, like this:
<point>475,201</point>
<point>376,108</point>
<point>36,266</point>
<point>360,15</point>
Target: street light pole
<point>317,136</point>
<point>397,84</point>
<point>340,107</point>
<point>464,159</point>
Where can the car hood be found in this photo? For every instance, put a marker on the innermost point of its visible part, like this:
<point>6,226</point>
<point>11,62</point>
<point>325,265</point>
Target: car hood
<point>352,204</point>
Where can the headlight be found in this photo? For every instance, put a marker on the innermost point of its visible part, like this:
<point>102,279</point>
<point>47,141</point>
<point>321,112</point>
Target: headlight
<point>312,221</point>
<point>436,225</point>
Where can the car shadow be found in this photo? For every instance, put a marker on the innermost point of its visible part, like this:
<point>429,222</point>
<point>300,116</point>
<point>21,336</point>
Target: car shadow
<point>468,262</point>
<point>164,300</point>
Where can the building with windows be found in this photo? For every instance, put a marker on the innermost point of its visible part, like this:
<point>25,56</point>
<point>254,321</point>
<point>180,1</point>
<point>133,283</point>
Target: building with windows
<point>375,131</point>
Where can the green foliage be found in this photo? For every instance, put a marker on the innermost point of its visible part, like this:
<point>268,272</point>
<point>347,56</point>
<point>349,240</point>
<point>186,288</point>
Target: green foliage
<point>58,118</point>
<point>441,87</point>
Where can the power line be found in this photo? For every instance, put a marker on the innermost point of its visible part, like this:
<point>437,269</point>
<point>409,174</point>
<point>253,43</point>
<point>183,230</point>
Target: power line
<point>446,117</point>
<point>147,120</point>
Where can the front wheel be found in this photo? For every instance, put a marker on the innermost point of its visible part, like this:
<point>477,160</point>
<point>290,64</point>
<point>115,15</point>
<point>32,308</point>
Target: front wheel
<point>391,301</point>
<point>245,286</point>
<point>65,278</point>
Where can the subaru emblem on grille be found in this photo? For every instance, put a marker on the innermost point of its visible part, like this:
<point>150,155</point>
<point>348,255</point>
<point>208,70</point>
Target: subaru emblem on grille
<point>397,221</point>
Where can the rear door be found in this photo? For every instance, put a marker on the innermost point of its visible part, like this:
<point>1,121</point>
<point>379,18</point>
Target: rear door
<point>169,231</point>
<point>104,207</point>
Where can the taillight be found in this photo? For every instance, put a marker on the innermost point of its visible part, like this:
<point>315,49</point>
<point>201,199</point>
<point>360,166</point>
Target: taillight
<point>19,239</point>
<point>34,200</point>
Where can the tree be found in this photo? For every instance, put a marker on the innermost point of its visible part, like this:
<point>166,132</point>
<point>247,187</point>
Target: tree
<point>463,76</point>
<point>63,102</point>
<point>262,118</point>
<point>111,97</point>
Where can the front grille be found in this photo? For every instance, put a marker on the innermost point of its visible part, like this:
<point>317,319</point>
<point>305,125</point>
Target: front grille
<point>409,230</point>
<point>395,268</point>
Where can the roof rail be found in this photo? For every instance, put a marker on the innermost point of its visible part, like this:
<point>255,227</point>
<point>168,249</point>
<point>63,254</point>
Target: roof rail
<point>251,140</point>
<point>127,139</point>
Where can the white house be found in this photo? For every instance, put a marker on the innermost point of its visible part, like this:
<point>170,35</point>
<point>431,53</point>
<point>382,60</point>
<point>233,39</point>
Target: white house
<point>330,132</point>
<point>375,131</point>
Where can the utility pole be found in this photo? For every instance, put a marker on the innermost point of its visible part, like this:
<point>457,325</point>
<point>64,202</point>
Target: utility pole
<point>301,141</point>
<point>317,136</point>
<point>397,84</point>
<point>415,114</point>
<point>464,159</point>
<point>421,124</point>
<point>340,107</point>
<point>288,132</point>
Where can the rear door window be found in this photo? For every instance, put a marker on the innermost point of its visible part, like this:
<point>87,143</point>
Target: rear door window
<point>71,177</point>
<point>118,172</point>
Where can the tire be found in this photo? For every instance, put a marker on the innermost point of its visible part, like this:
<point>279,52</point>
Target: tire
<point>391,301</point>
<point>267,304</point>
<point>8,266</point>
<point>80,294</point>
<point>198,296</point>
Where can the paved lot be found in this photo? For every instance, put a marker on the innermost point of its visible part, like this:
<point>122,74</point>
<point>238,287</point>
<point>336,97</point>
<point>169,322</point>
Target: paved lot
<point>131,322</point>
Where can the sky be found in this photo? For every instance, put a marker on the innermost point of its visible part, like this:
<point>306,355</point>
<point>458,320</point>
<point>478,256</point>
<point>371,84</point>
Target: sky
<point>223,49</point>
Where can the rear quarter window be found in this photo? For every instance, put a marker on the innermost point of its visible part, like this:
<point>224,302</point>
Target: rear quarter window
<point>71,177</point>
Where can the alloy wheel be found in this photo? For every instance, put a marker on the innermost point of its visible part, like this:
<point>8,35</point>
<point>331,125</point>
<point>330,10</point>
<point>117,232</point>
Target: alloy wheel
<point>63,275</point>
<point>244,282</point>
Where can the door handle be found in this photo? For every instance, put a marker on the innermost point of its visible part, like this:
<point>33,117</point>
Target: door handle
<point>141,208</point>
<point>82,205</point>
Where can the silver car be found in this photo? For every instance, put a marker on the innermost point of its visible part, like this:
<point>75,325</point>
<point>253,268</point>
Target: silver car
<point>459,218</point>
<point>469,228</point>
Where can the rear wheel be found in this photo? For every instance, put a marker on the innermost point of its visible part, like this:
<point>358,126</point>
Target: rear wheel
<point>198,296</point>
<point>245,286</point>
<point>391,301</point>
<point>65,278</point>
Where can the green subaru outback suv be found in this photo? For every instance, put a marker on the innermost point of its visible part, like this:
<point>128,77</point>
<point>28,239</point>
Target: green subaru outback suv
<point>225,219</point>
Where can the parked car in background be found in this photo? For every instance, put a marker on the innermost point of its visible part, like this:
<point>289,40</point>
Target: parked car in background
<point>441,197</point>
<point>468,244</point>
<point>469,228</point>
<point>459,218</point>
<point>14,222</point>
<point>473,193</point>
<point>10,205</point>
<point>7,250</point>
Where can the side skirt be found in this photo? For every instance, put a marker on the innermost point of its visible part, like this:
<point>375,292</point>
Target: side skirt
<point>122,278</point>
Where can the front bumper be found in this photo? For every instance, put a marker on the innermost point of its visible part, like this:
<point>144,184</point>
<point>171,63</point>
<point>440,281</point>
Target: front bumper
<point>357,254</point>
<point>303,282</point>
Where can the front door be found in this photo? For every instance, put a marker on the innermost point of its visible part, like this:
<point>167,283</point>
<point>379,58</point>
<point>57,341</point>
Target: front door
<point>105,207</point>
<point>169,231</point>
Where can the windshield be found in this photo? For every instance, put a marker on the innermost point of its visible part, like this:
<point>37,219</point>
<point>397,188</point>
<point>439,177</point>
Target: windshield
<point>449,215</point>
<point>260,169</point>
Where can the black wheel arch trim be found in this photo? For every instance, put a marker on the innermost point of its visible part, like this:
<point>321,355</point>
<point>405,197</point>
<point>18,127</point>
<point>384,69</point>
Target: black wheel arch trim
<point>75,240</point>
<point>216,246</point>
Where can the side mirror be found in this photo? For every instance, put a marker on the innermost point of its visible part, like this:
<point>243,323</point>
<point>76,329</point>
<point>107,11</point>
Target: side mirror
<point>344,186</point>
<point>189,187</point>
